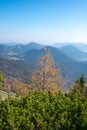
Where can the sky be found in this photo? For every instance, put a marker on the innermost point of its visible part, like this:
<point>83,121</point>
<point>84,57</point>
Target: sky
<point>43,21</point>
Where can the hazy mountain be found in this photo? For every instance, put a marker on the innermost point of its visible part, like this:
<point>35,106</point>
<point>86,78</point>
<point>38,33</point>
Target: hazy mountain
<point>74,53</point>
<point>23,68</point>
<point>17,51</point>
<point>59,45</point>
<point>33,45</point>
<point>81,46</point>
<point>20,61</point>
<point>9,43</point>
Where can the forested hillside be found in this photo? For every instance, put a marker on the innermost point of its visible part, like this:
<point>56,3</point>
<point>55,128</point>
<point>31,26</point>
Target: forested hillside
<point>42,102</point>
<point>20,61</point>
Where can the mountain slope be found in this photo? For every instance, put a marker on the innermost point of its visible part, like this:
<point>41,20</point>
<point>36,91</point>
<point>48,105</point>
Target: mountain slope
<point>82,47</point>
<point>17,51</point>
<point>22,69</point>
<point>28,61</point>
<point>33,45</point>
<point>74,53</point>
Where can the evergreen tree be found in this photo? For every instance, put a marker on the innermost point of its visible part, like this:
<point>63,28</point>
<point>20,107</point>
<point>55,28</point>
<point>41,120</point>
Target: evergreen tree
<point>79,85</point>
<point>81,81</point>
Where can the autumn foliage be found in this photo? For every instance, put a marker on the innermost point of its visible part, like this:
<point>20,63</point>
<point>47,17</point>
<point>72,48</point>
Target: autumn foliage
<point>48,77</point>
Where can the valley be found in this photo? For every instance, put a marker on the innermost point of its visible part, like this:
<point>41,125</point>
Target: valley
<point>20,61</point>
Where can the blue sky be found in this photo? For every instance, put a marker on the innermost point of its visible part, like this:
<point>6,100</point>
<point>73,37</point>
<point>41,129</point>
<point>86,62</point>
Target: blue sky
<point>43,21</point>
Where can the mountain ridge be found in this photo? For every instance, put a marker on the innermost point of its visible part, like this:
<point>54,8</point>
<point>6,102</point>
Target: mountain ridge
<point>27,62</point>
<point>74,52</point>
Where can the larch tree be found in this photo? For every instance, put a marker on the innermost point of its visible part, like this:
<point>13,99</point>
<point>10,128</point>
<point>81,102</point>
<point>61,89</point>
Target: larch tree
<point>48,77</point>
<point>1,77</point>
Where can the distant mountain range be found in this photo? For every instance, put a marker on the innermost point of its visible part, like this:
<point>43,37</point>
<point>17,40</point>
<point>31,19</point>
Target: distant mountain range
<point>74,53</point>
<point>80,46</point>
<point>19,61</point>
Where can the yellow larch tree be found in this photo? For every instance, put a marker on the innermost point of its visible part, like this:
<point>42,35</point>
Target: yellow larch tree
<point>48,77</point>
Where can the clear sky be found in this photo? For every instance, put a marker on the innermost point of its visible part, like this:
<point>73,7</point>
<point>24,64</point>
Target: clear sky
<point>43,21</point>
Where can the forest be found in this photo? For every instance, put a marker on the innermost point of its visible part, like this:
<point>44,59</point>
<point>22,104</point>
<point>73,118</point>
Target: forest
<point>49,106</point>
<point>46,110</point>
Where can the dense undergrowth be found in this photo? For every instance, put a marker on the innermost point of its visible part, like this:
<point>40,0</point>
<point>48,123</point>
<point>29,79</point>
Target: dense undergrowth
<point>44,111</point>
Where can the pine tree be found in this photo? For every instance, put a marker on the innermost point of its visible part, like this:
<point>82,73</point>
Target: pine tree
<point>81,81</point>
<point>79,85</point>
